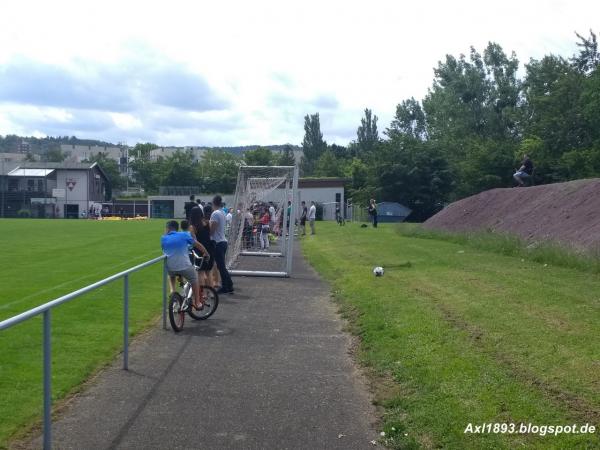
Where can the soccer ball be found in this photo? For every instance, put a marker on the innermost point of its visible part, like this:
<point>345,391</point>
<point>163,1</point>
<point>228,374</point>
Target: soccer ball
<point>378,271</point>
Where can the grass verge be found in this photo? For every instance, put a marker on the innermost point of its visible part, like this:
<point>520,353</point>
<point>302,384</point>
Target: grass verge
<point>44,259</point>
<point>466,336</point>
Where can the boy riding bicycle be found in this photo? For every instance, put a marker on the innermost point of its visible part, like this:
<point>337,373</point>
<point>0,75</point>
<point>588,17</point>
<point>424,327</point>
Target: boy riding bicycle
<point>175,246</point>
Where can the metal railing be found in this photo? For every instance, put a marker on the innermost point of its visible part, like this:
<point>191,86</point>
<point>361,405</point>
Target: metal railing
<point>46,309</point>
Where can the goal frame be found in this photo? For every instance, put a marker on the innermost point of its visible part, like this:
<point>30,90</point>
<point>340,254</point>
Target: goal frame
<point>288,249</point>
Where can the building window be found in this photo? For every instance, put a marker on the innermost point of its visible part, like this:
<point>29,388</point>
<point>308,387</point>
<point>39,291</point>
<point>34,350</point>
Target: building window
<point>40,184</point>
<point>30,185</point>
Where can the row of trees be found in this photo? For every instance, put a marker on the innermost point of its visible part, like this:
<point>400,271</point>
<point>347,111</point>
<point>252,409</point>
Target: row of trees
<point>216,172</point>
<point>471,130</point>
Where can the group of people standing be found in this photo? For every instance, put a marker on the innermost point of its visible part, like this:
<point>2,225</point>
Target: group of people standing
<point>205,230</point>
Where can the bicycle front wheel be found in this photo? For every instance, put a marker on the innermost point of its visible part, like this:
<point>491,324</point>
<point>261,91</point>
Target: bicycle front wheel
<point>176,312</point>
<point>211,302</point>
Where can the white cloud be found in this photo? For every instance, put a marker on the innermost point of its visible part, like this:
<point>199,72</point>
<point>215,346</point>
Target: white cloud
<point>241,72</point>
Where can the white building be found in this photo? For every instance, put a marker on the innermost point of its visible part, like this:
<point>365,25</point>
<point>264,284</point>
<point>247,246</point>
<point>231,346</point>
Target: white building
<point>80,153</point>
<point>165,152</point>
<point>65,190</point>
<point>325,191</point>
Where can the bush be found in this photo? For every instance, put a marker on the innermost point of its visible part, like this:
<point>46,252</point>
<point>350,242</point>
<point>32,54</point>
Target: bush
<point>24,213</point>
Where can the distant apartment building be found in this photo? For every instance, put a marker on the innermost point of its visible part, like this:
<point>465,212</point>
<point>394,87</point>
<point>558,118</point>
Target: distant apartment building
<point>80,153</point>
<point>165,152</point>
<point>23,146</point>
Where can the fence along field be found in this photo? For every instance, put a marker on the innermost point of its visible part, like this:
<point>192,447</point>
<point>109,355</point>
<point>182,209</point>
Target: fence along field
<point>44,259</point>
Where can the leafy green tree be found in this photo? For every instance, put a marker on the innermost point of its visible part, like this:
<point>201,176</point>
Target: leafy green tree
<point>588,58</point>
<point>340,152</point>
<point>362,184</point>
<point>553,112</point>
<point>368,136</point>
<point>286,156</point>
<point>261,156</point>
<point>411,173</point>
<point>30,157</point>
<point>313,145</point>
<point>179,170</point>
<point>218,171</point>
<point>409,120</point>
<point>472,109</point>
<point>148,174</point>
<point>329,166</point>
<point>56,155</point>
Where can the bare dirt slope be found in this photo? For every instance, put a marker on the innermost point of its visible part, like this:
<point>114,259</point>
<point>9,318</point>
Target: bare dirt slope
<point>568,213</point>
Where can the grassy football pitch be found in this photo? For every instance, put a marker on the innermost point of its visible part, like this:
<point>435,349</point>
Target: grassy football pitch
<point>454,335</point>
<point>44,259</point>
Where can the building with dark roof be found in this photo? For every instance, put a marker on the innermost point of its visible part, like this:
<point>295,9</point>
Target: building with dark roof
<point>45,189</point>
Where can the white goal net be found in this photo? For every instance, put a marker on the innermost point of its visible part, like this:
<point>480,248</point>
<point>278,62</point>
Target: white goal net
<point>264,215</point>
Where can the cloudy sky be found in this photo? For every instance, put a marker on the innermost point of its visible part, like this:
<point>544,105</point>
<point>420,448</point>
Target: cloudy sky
<point>246,72</point>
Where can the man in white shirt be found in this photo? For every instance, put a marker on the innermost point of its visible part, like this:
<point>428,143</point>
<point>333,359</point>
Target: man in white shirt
<point>217,234</point>
<point>312,216</point>
<point>272,216</point>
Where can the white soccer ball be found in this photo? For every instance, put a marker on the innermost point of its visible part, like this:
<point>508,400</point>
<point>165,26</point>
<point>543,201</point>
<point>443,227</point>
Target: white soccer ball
<point>378,271</point>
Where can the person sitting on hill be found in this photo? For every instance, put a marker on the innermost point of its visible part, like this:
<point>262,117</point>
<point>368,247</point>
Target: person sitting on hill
<point>525,172</point>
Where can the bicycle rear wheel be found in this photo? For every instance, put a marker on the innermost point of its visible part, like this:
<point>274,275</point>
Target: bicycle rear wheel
<point>176,312</point>
<point>211,302</point>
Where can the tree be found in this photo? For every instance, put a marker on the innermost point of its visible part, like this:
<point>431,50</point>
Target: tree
<point>328,165</point>
<point>179,170</point>
<point>472,109</point>
<point>411,173</point>
<point>148,174</point>
<point>362,185</point>
<point>218,171</point>
<point>409,120</point>
<point>313,144</point>
<point>261,156</point>
<point>286,156</point>
<point>55,155</point>
<point>588,58</point>
<point>367,133</point>
<point>30,157</point>
<point>553,113</point>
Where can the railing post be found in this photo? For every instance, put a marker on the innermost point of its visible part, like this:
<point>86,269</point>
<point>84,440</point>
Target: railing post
<point>126,322</point>
<point>47,382</point>
<point>164,295</point>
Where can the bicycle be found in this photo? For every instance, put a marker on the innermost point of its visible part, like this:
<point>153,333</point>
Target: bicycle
<point>182,303</point>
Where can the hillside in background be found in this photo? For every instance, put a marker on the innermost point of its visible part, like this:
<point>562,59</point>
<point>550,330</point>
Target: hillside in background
<point>568,213</point>
<point>21,144</point>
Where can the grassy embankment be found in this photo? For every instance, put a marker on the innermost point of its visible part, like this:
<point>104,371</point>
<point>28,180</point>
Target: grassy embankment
<point>44,259</point>
<point>454,333</point>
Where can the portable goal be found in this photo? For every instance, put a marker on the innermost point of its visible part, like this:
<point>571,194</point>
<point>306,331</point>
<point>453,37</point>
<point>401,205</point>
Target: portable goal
<point>259,188</point>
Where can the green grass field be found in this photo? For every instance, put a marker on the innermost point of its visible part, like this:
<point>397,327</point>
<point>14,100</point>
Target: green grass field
<point>44,259</point>
<point>462,335</point>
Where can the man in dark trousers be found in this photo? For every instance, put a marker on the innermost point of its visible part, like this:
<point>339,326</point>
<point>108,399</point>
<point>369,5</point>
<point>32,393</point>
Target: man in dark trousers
<point>188,206</point>
<point>217,234</point>
<point>525,172</point>
<point>373,212</point>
